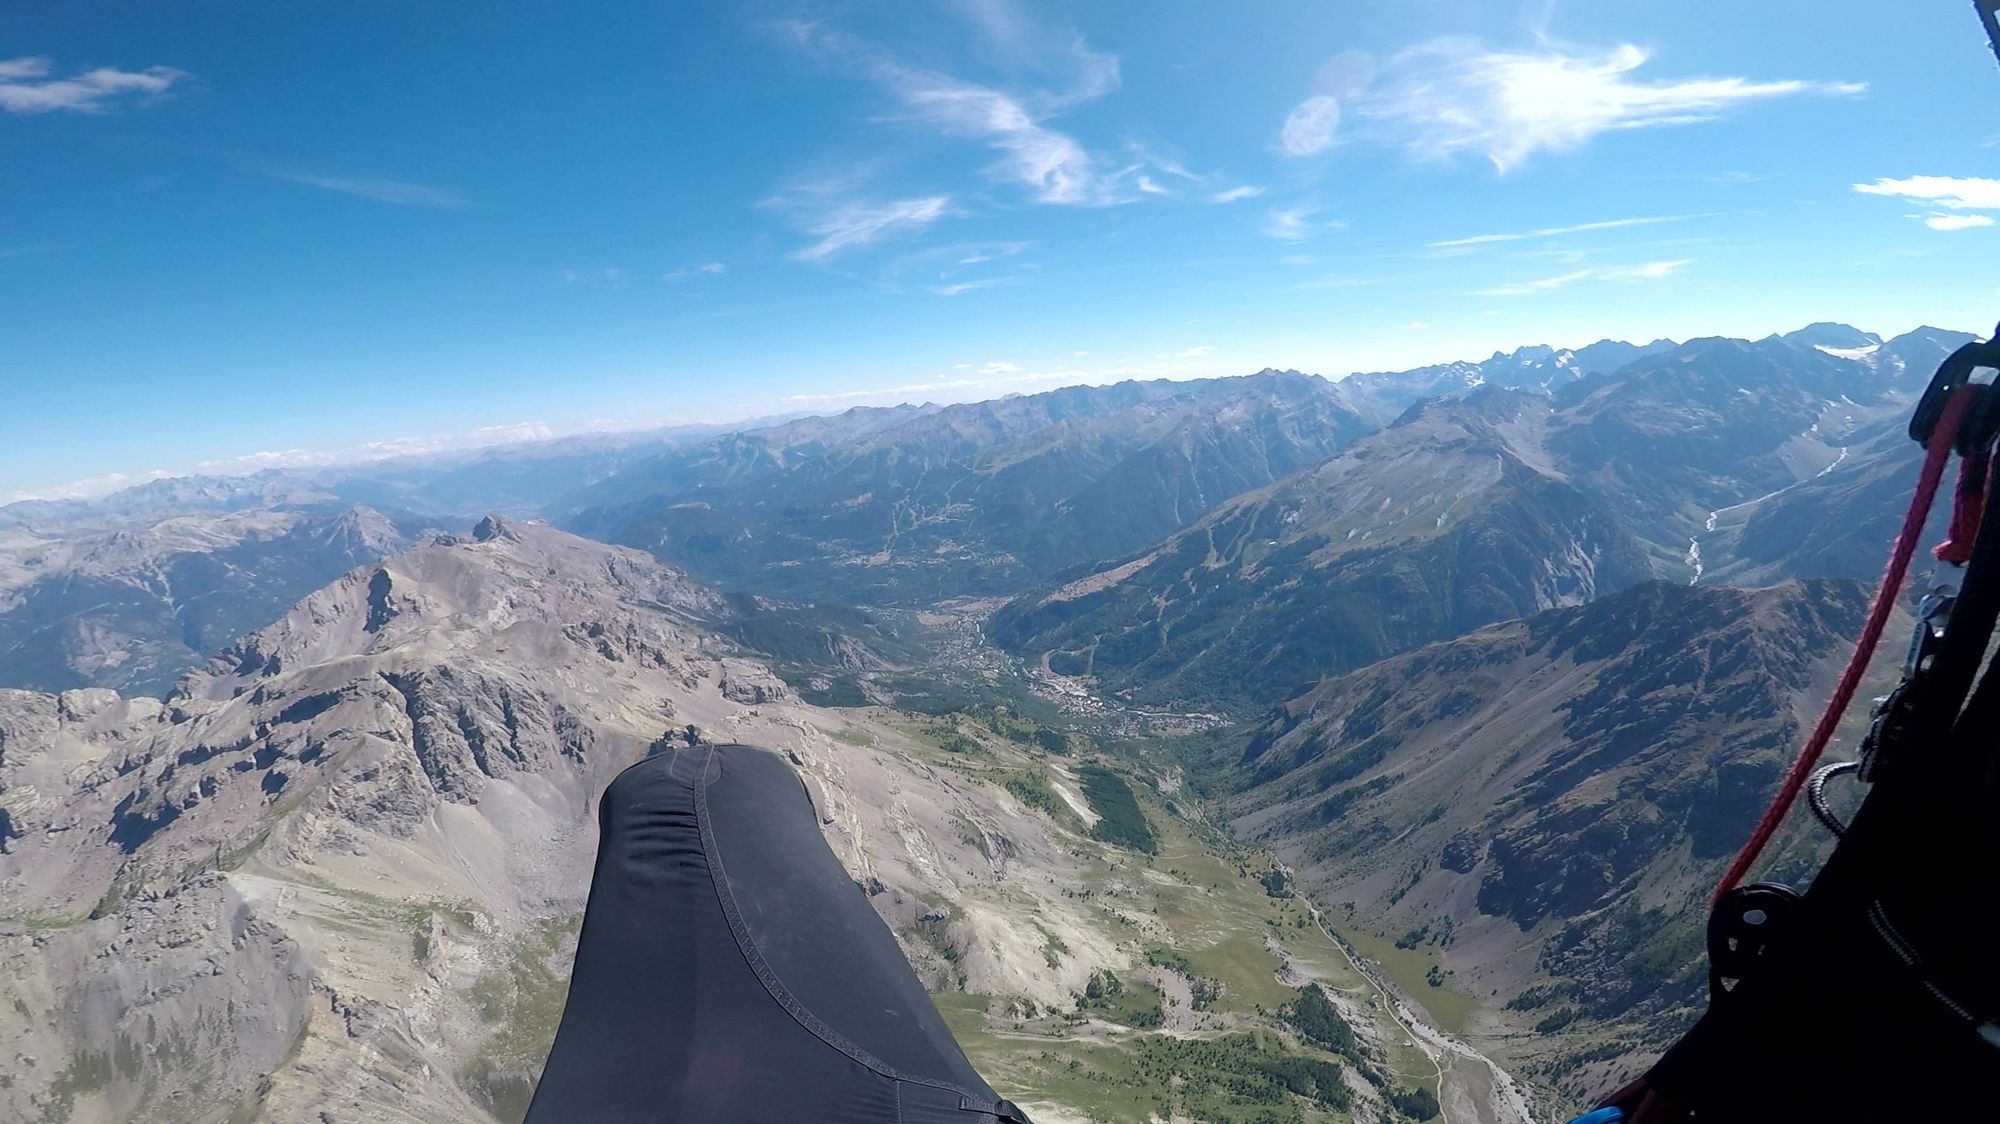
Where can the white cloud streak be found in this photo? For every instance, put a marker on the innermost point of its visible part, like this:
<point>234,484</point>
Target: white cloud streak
<point>959,288</point>
<point>382,191</point>
<point>26,86</point>
<point>1554,231</point>
<point>1940,221</point>
<point>1643,271</point>
<point>1540,285</point>
<point>1455,96</point>
<point>979,253</point>
<point>1296,224</point>
<point>1649,271</point>
<point>691,272</point>
<point>1953,193</point>
<point>850,226</point>
<point>1054,166</point>
<point>1236,194</point>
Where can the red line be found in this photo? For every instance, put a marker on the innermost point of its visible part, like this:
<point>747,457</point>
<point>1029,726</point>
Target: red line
<point>1935,455</point>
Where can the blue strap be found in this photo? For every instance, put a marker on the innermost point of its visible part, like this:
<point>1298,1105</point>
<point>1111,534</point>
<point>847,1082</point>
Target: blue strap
<point>1601,1116</point>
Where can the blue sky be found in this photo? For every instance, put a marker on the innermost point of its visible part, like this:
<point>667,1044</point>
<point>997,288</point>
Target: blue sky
<point>240,228</point>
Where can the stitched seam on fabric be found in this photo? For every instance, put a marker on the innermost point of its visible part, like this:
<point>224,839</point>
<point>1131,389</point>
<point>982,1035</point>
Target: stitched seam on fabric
<point>769,978</point>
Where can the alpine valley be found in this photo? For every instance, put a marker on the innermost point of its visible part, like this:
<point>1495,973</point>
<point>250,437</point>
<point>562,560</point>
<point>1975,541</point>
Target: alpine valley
<point>1262,749</point>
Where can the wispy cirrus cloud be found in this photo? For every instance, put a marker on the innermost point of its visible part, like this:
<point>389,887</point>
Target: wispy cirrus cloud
<point>606,277</point>
<point>28,86</point>
<point>1054,166</point>
<point>397,192</point>
<point>1642,271</point>
<point>979,253</point>
<point>839,225</point>
<point>1555,231</point>
<point>1455,96</point>
<point>1646,271</point>
<point>1951,193</point>
<point>960,288</point>
<point>1297,224</point>
<point>1236,194</point>
<point>691,272</point>
<point>955,268</point>
<point>1539,285</point>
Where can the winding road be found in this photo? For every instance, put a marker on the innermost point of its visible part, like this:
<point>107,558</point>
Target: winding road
<point>1487,1095</point>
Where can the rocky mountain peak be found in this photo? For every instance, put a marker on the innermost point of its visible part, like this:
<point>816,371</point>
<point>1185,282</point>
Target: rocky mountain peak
<point>1526,356</point>
<point>1471,411</point>
<point>507,573</point>
<point>1827,334</point>
<point>493,527</point>
<point>366,529</point>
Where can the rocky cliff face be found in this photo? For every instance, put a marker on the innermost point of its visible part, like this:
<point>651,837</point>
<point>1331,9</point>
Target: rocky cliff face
<point>337,873</point>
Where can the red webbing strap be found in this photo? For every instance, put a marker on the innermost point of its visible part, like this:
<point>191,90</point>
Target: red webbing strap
<point>1968,503</point>
<point>1935,455</point>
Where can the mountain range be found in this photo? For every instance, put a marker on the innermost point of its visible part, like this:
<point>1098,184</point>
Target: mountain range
<point>1493,505</point>
<point>910,506</point>
<point>1139,712</point>
<point>905,506</point>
